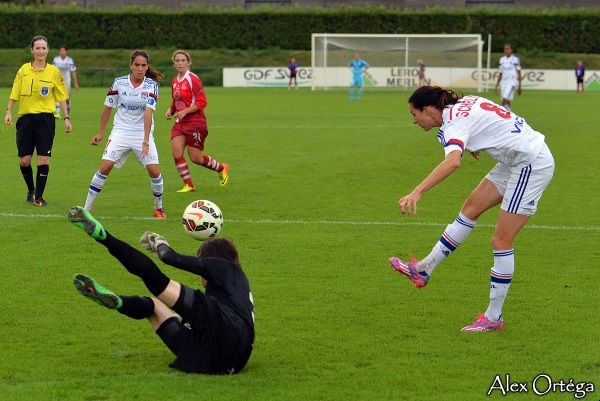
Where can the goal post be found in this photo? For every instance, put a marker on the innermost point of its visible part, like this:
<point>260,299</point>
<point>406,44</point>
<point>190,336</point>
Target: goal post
<point>450,60</point>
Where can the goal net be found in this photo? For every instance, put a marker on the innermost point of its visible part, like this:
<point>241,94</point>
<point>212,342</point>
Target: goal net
<point>450,60</point>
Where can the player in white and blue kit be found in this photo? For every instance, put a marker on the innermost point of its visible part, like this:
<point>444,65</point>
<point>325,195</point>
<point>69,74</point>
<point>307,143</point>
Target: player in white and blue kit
<point>134,96</point>
<point>67,68</point>
<point>509,77</point>
<point>357,66</point>
<point>524,170</point>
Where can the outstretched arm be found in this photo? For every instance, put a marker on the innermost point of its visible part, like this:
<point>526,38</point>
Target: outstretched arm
<point>190,264</point>
<point>408,203</point>
<point>203,267</point>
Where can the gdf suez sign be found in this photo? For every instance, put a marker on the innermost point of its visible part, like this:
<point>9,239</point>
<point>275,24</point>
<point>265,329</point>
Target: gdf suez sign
<point>528,76</point>
<point>262,74</point>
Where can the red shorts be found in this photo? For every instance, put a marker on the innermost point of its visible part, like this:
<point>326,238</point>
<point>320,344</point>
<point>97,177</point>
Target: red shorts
<point>195,133</point>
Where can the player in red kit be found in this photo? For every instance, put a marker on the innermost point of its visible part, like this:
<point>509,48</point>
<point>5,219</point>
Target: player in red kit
<point>190,129</point>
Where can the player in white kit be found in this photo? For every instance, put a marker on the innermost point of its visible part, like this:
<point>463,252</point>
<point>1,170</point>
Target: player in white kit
<point>509,77</point>
<point>67,68</point>
<point>524,170</point>
<point>134,96</point>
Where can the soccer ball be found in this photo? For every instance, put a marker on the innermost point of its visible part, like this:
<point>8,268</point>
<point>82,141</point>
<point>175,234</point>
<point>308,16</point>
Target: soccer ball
<point>202,220</point>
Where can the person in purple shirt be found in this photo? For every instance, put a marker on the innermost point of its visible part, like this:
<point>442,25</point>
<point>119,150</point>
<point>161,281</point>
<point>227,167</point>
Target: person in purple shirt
<point>293,65</point>
<point>579,73</point>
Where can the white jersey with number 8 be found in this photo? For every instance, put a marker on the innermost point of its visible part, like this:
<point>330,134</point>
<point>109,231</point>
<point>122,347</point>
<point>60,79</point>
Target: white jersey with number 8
<point>477,124</point>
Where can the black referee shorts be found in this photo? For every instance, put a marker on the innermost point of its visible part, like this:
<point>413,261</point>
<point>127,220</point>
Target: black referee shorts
<point>35,132</point>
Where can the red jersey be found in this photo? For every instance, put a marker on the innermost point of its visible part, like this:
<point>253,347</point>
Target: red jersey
<point>186,92</point>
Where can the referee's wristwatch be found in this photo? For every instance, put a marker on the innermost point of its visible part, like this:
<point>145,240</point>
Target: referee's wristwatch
<point>67,118</point>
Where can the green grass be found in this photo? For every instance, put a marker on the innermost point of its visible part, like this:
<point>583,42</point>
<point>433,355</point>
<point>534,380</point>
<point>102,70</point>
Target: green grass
<point>312,206</point>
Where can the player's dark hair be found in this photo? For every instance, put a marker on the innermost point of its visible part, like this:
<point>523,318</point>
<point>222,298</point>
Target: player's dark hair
<point>64,47</point>
<point>151,72</point>
<point>36,38</point>
<point>223,248</point>
<point>434,96</point>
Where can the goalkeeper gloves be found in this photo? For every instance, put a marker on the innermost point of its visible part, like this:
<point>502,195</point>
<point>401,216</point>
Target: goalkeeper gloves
<point>151,241</point>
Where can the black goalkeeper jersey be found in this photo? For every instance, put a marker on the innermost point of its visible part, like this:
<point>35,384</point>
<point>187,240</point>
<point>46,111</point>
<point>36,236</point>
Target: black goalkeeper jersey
<point>223,316</point>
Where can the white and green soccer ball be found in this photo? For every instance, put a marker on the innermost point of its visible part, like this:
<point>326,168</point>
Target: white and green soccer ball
<point>202,220</point>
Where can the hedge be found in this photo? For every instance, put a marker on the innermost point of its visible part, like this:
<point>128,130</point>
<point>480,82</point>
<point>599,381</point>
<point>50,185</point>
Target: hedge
<point>556,30</point>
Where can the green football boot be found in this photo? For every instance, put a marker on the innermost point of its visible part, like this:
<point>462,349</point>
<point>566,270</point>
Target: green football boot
<point>90,289</point>
<point>84,220</point>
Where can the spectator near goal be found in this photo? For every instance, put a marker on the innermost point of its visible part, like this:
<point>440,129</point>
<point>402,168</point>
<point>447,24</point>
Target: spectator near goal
<point>293,67</point>
<point>421,64</point>
<point>579,73</point>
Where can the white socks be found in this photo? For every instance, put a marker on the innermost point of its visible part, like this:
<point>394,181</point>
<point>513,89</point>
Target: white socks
<point>98,183</point>
<point>454,235</point>
<point>95,187</point>
<point>501,276</point>
<point>157,190</point>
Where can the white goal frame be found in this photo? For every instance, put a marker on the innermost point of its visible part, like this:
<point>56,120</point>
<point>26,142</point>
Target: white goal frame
<point>399,43</point>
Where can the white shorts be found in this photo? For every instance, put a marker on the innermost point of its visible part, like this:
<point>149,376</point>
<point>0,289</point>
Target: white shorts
<point>522,187</point>
<point>507,91</point>
<point>119,146</point>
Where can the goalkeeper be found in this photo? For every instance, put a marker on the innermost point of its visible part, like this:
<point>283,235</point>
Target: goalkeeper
<point>358,66</point>
<point>216,332</point>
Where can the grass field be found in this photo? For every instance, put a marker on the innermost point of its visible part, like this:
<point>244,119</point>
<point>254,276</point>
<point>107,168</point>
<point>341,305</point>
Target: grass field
<point>312,206</point>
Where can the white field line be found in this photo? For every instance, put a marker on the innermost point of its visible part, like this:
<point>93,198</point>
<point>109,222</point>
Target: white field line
<point>307,222</point>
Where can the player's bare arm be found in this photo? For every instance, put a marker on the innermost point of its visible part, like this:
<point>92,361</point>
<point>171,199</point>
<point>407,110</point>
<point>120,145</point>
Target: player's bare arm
<point>498,83</point>
<point>147,126</point>
<point>408,203</point>
<point>104,117</point>
<point>75,83</point>
<point>180,114</point>
<point>63,107</point>
<point>8,117</point>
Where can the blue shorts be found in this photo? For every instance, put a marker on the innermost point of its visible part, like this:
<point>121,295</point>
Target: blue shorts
<point>357,80</point>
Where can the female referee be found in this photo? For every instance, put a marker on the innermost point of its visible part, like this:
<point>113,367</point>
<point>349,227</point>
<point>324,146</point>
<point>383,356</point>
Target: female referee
<point>37,87</point>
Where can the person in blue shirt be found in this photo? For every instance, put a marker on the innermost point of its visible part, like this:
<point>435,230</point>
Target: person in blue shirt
<point>357,66</point>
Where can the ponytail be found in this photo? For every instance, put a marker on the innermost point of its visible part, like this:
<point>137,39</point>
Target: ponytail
<point>434,96</point>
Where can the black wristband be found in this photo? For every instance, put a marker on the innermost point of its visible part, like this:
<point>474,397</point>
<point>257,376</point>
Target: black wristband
<point>67,118</point>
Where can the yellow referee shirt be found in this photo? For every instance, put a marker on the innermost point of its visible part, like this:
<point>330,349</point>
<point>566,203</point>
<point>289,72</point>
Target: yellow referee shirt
<point>38,91</point>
